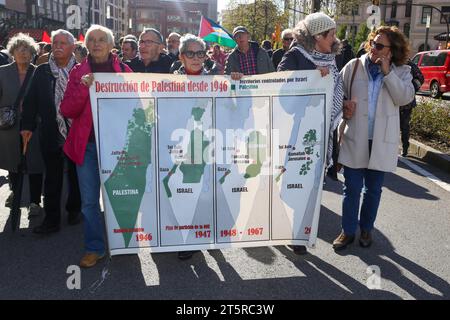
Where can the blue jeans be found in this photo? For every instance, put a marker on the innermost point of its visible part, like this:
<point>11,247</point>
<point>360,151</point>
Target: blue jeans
<point>89,182</point>
<point>370,181</point>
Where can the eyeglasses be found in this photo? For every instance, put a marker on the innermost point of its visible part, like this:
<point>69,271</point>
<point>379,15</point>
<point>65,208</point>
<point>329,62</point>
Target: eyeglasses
<point>191,54</point>
<point>288,39</point>
<point>378,46</point>
<point>148,42</point>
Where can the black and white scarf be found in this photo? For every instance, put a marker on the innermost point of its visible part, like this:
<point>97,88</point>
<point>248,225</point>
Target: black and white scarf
<point>62,76</point>
<point>328,60</point>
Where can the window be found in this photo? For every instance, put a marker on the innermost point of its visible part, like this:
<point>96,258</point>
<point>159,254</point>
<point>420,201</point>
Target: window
<point>408,8</point>
<point>406,29</point>
<point>416,59</point>
<point>394,9</point>
<point>426,11</point>
<point>445,14</point>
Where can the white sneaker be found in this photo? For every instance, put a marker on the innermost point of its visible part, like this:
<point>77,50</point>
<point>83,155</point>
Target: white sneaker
<point>34,210</point>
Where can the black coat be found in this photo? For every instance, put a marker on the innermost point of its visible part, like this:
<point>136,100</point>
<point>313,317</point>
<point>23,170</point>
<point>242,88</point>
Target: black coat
<point>161,66</point>
<point>39,107</point>
<point>295,60</point>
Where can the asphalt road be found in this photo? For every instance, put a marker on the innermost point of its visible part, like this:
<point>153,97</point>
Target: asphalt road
<point>411,249</point>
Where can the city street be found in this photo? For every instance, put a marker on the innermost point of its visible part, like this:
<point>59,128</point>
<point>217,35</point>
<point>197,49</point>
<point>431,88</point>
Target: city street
<point>411,250</point>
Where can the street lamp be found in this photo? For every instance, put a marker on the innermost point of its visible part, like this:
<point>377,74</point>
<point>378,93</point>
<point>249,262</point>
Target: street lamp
<point>427,30</point>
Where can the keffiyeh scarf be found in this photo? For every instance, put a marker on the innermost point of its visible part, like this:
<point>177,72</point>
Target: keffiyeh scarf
<point>61,75</point>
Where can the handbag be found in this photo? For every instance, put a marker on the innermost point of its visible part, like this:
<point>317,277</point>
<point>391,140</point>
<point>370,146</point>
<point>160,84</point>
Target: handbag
<point>8,114</point>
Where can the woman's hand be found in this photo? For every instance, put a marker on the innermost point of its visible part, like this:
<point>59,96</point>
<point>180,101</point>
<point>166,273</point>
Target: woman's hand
<point>87,79</point>
<point>236,75</point>
<point>385,63</point>
<point>349,109</point>
<point>323,71</point>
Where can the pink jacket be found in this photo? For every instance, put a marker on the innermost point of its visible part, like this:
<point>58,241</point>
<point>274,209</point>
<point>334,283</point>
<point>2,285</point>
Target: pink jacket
<point>76,105</point>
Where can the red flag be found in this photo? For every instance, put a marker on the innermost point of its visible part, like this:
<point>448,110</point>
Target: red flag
<point>81,37</point>
<point>46,37</point>
<point>205,27</point>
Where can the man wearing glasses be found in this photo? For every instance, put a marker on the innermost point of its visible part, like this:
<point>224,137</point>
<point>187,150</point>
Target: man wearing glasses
<point>247,58</point>
<point>286,37</point>
<point>150,58</point>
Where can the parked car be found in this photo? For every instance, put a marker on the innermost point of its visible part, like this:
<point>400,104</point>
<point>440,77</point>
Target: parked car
<point>435,67</point>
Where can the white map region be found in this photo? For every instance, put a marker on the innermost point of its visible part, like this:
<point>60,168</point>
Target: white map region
<point>186,190</point>
<point>298,165</point>
<point>243,182</point>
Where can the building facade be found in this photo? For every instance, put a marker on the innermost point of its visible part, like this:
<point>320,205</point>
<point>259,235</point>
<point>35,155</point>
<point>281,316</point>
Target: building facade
<point>181,16</point>
<point>409,16</point>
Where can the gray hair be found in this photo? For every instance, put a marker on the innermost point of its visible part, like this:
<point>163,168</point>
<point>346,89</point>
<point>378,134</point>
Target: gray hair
<point>153,30</point>
<point>305,39</point>
<point>187,39</point>
<point>174,34</point>
<point>66,33</point>
<point>96,27</point>
<point>285,31</point>
<point>22,40</point>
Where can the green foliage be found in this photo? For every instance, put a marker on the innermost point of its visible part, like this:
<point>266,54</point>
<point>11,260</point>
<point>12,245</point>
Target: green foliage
<point>430,120</point>
<point>361,36</point>
<point>342,29</point>
<point>259,19</point>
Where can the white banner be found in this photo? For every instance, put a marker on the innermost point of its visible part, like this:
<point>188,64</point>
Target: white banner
<point>202,162</point>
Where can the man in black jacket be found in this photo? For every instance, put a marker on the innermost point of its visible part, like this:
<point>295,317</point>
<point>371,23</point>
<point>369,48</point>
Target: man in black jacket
<point>150,58</point>
<point>42,104</point>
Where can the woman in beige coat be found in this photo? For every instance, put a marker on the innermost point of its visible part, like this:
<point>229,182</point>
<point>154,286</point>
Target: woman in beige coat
<point>382,82</point>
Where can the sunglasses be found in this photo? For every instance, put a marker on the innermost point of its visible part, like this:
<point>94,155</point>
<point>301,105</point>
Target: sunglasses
<point>191,54</point>
<point>378,46</point>
<point>288,39</point>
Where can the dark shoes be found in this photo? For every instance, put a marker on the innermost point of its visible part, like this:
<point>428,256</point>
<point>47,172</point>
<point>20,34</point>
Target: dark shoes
<point>299,250</point>
<point>74,218</point>
<point>9,200</point>
<point>365,239</point>
<point>185,255</point>
<point>342,241</point>
<point>45,228</point>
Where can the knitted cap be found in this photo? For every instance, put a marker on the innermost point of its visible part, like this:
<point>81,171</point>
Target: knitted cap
<point>319,22</point>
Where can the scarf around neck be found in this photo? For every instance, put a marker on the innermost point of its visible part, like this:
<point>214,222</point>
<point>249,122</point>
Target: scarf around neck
<point>61,75</point>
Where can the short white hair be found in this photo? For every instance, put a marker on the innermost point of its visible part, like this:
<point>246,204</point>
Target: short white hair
<point>22,40</point>
<point>187,39</point>
<point>286,31</point>
<point>68,35</point>
<point>96,27</point>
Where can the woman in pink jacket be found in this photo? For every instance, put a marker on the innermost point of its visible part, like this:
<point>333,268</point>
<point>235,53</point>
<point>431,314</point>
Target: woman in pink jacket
<point>80,145</point>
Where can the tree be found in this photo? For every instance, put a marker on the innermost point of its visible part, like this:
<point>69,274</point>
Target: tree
<point>259,17</point>
<point>361,36</point>
<point>341,31</point>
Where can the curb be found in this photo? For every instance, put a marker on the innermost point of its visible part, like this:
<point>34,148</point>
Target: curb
<point>429,155</point>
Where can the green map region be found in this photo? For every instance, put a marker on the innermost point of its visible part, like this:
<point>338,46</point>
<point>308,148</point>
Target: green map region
<point>256,146</point>
<point>126,184</point>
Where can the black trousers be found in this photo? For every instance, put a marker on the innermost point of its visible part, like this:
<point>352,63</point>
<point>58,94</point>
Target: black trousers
<point>35,185</point>
<point>405,118</point>
<point>53,185</point>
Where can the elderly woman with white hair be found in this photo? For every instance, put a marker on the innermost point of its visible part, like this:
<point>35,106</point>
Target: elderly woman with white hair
<point>192,57</point>
<point>14,82</point>
<point>80,145</point>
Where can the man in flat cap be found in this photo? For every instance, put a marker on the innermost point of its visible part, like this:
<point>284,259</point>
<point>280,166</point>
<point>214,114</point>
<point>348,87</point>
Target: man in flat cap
<point>247,58</point>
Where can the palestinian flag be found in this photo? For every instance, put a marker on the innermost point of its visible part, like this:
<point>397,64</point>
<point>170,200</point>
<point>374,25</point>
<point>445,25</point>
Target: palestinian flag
<point>212,32</point>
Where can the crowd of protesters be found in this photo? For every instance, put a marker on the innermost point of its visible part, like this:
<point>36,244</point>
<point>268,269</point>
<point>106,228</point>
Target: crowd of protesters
<point>49,86</point>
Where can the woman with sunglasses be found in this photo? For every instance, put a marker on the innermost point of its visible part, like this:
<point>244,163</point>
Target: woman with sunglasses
<point>192,57</point>
<point>381,83</point>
